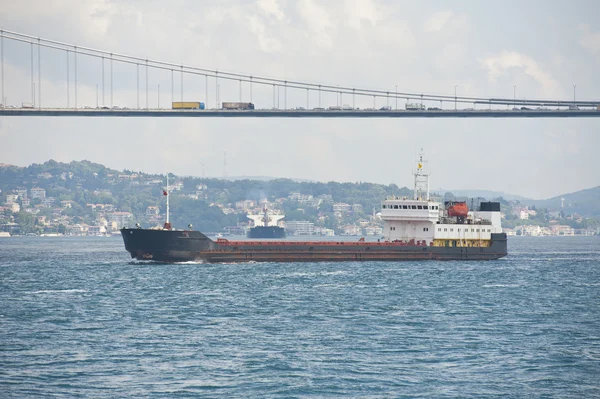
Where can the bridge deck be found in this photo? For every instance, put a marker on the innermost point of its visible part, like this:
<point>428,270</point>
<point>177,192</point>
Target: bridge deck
<point>169,113</point>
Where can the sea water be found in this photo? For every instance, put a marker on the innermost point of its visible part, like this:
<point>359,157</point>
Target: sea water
<point>79,318</point>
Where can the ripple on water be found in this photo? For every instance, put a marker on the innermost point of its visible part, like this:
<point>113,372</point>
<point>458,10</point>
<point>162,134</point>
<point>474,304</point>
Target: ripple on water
<point>80,319</point>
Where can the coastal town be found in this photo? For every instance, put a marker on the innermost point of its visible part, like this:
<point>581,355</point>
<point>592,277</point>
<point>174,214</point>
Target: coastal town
<point>85,199</point>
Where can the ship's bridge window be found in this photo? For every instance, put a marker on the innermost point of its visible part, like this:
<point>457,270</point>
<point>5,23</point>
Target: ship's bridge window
<point>439,229</point>
<point>419,207</point>
<point>404,207</point>
<point>395,206</point>
<point>414,207</point>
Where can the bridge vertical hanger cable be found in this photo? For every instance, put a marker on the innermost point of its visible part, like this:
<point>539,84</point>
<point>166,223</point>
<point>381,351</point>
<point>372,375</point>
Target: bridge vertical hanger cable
<point>111,80</point>
<point>307,107</point>
<point>250,88</point>
<point>172,88</point>
<point>455,97</point>
<point>216,89</point>
<point>103,81</point>
<point>39,75</point>
<point>137,67</point>
<point>75,55</point>
<point>206,90</point>
<point>3,99</point>
<point>181,99</point>
<point>68,87</point>
<point>147,85</point>
<point>32,87</point>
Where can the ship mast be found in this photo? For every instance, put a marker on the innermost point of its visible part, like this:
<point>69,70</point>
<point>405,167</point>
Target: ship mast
<point>167,225</point>
<point>167,198</point>
<point>421,180</point>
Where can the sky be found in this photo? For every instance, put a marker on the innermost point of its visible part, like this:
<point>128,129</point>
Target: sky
<point>543,48</point>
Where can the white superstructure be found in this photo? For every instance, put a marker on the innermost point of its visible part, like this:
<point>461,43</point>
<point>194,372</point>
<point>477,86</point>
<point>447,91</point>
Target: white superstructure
<point>422,221</point>
<point>265,218</point>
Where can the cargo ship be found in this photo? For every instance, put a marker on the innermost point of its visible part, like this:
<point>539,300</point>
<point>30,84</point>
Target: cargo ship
<point>416,228</point>
<point>265,225</point>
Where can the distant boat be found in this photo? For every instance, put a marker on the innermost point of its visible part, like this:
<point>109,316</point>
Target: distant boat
<point>265,225</point>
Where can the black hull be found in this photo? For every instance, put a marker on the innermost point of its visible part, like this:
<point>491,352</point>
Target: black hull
<point>182,246</point>
<point>266,232</point>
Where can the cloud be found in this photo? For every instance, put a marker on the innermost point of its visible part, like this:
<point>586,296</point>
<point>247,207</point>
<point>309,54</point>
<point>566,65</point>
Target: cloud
<point>318,22</point>
<point>498,65</point>
<point>360,13</point>
<point>589,40</point>
<point>271,8</point>
<point>438,21</point>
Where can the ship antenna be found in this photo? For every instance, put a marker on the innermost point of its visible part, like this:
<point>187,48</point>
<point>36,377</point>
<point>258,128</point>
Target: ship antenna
<point>421,180</point>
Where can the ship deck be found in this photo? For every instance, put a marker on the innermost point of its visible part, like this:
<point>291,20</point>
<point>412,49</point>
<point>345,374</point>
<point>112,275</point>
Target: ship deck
<point>360,243</point>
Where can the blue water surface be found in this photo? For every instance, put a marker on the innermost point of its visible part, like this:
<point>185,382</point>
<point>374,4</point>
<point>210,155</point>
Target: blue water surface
<point>79,319</point>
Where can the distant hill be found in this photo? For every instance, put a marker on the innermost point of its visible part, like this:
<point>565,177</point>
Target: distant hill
<point>584,202</point>
<point>259,178</point>
<point>64,178</point>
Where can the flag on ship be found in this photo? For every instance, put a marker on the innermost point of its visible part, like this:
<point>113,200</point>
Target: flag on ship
<point>164,192</point>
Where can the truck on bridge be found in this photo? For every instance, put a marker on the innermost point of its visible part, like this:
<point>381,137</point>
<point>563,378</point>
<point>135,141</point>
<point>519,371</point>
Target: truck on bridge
<point>188,105</point>
<point>414,107</point>
<point>239,106</point>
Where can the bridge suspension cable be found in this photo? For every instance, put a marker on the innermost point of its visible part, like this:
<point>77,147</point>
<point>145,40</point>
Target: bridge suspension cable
<point>254,79</point>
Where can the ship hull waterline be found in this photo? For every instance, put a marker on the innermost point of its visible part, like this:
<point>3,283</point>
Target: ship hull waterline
<point>173,246</point>
<point>266,232</point>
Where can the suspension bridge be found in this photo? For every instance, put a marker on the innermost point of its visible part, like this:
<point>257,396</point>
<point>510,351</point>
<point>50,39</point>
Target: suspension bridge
<point>82,65</point>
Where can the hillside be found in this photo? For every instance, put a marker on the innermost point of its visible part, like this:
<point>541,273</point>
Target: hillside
<point>585,202</point>
<point>83,192</point>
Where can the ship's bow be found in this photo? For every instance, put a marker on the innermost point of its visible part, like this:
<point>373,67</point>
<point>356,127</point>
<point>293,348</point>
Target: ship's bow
<point>165,245</point>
